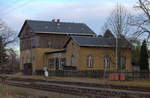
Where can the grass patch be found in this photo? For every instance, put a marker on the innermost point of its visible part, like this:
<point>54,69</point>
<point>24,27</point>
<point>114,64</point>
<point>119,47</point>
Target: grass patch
<point>143,82</point>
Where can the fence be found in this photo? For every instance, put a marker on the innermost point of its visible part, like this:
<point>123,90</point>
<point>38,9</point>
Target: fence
<point>98,74</point>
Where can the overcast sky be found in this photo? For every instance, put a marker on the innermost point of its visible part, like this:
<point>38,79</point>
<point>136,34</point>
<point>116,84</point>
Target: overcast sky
<point>92,12</point>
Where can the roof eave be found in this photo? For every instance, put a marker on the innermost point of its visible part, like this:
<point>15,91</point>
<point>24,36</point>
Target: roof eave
<point>63,33</point>
<point>101,46</point>
<point>57,51</point>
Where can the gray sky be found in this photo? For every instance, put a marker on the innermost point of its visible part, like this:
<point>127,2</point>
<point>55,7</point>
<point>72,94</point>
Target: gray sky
<point>92,12</point>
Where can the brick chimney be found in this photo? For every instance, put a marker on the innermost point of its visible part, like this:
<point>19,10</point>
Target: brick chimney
<point>58,21</point>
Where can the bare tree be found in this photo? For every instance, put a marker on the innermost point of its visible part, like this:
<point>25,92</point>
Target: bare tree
<point>7,37</point>
<point>118,24</point>
<point>13,63</point>
<point>141,19</point>
<point>118,21</point>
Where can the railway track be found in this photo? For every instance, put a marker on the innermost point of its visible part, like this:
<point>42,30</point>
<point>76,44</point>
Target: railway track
<point>79,88</point>
<point>85,84</point>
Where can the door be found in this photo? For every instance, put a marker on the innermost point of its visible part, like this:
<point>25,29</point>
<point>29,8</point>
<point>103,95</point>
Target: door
<point>28,69</point>
<point>57,63</point>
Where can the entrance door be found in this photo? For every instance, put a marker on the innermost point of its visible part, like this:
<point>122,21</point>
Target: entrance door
<point>57,63</point>
<point>28,69</point>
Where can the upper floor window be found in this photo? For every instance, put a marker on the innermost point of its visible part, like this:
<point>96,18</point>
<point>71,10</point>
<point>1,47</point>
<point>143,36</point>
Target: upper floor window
<point>72,60</point>
<point>49,44</point>
<point>106,62</point>
<point>90,61</point>
<point>22,60</point>
<point>35,42</point>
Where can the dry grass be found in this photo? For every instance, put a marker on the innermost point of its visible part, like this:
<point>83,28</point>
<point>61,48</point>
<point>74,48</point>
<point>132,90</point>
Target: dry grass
<point>13,92</point>
<point>89,80</point>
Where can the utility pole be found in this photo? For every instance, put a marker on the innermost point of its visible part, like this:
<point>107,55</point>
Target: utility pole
<point>116,52</point>
<point>117,44</point>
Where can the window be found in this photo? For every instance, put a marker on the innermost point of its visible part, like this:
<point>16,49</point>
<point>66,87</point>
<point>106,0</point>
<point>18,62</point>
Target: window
<point>90,61</point>
<point>22,60</point>
<point>32,58</point>
<point>51,63</point>
<point>49,44</point>
<point>122,62</point>
<point>35,42</point>
<point>72,61</point>
<point>23,44</point>
<point>63,62</point>
<point>106,62</point>
<point>28,60</point>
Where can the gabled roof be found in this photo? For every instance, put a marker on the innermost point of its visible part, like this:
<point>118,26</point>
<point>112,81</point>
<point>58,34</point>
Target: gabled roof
<point>62,28</point>
<point>84,41</point>
<point>108,34</point>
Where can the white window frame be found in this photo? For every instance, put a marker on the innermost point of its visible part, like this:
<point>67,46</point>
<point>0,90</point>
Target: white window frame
<point>90,61</point>
<point>49,44</point>
<point>73,61</point>
<point>106,62</point>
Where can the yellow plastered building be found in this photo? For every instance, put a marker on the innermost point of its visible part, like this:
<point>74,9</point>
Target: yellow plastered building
<point>69,46</point>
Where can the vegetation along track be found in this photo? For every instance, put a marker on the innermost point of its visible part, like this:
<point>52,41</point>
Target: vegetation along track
<point>79,88</point>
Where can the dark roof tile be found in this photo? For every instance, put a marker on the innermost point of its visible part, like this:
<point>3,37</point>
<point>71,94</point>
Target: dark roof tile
<point>62,28</point>
<point>100,42</point>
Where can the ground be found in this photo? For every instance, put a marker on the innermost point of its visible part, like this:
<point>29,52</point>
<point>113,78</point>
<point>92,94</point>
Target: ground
<point>145,83</point>
<point>7,91</point>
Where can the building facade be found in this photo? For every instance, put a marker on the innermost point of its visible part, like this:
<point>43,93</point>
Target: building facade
<point>69,46</point>
<point>92,53</point>
<point>39,37</point>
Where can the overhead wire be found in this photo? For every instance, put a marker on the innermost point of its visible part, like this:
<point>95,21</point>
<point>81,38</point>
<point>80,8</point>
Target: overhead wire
<point>10,10</point>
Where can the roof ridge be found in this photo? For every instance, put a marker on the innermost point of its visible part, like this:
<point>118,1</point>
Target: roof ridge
<point>51,21</point>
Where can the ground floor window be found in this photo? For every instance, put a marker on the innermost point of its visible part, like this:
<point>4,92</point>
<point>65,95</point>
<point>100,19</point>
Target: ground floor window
<point>72,61</point>
<point>51,63</point>
<point>90,61</point>
<point>63,62</point>
<point>106,62</point>
<point>123,62</point>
